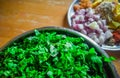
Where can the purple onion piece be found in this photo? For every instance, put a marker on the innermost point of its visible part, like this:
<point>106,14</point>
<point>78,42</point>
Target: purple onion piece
<point>81,12</point>
<point>84,32</point>
<point>102,39</point>
<point>100,24</point>
<point>97,32</point>
<point>73,16</point>
<point>91,19</point>
<point>103,22</point>
<point>82,18</point>
<point>89,30</point>
<point>105,29</point>
<point>75,27</point>
<point>80,27</point>
<point>96,17</point>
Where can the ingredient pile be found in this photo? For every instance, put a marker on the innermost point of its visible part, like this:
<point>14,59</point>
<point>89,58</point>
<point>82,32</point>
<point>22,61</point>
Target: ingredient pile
<point>51,55</point>
<point>99,20</point>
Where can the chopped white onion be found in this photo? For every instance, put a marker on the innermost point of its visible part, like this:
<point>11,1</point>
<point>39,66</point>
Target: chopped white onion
<point>101,39</point>
<point>108,34</point>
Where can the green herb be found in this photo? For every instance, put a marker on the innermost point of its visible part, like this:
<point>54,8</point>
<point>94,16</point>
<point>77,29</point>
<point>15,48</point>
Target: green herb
<point>51,55</point>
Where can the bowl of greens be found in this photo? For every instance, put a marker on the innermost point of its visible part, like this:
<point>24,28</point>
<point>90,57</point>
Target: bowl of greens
<point>54,52</point>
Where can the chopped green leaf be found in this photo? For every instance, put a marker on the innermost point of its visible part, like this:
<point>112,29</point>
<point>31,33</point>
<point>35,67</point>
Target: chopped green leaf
<point>51,55</point>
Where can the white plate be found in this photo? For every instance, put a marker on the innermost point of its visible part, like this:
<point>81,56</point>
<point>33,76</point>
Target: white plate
<point>69,15</point>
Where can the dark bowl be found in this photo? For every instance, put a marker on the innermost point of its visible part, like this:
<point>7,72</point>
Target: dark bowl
<point>109,67</point>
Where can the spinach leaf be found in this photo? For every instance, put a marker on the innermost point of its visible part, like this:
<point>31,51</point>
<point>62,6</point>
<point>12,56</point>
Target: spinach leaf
<point>51,55</point>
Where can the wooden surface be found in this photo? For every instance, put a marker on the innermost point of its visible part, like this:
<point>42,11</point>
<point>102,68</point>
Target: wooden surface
<point>19,16</point>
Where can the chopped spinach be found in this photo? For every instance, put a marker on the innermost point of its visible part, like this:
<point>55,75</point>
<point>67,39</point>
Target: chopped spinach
<point>51,55</point>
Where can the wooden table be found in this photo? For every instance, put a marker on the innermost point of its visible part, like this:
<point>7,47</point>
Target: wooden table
<point>19,16</point>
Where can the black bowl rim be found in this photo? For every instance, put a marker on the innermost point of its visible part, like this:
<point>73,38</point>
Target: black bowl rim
<point>67,30</point>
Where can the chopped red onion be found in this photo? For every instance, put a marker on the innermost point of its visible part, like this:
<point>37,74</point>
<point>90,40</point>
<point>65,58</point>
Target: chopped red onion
<point>80,27</point>
<point>108,34</point>
<point>103,22</point>
<point>101,39</point>
<point>81,18</point>
<point>74,16</point>
<point>100,24</point>
<point>91,19</point>
<point>78,21</point>
<point>96,17</point>
<point>89,30</point>
<point>90,24</point>
<point>105,28</point>
<point>81,12</point>
<point>84,32</point>
<point>86,25</point>
<point>73,22</point>
<point>75,27</point>
<point>89,12</point>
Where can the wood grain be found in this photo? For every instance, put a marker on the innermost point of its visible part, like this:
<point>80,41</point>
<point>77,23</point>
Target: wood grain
<point>19,16</point>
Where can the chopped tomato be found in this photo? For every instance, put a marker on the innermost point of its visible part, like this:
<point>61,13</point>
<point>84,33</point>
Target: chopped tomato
<point>116,35</point>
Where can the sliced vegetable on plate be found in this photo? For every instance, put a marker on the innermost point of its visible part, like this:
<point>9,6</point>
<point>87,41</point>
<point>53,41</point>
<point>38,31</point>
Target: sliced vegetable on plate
<point>97,19</point>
